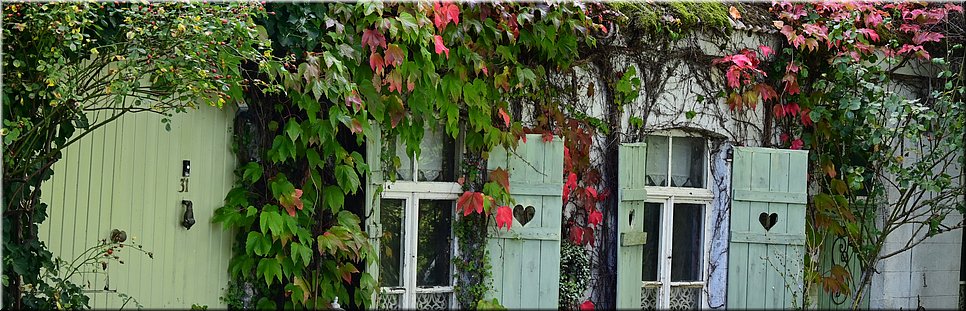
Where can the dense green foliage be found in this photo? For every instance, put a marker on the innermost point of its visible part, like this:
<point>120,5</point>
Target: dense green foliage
<point>398,65</point>
<point>70,68</point>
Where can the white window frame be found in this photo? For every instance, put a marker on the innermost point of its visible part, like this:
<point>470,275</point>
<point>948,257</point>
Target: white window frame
<point>667,197</point>
<point>411,191</point>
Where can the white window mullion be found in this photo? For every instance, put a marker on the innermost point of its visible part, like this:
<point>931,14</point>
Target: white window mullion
<point>412,215</point>
<point>667,214</point>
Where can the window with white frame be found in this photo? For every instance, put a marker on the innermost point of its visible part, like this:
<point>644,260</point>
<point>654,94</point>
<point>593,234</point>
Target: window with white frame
<point>417,212</point>
<point>675,219</point>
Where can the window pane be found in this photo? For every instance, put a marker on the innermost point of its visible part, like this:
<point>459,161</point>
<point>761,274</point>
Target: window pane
<point>657,153</point>
<point>392,216</point>
<point>434,245</point>
<point>687,169</point>
<point>437,155</point>
<point>652,225</point>
<point>404,172</point>
<point>687,240</point>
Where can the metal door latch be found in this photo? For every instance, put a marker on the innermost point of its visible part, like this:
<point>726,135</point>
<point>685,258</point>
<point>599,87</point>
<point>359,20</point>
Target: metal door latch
<point>189,215</point>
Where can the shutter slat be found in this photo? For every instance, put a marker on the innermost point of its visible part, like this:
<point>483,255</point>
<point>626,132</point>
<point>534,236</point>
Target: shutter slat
<point>633,195</point>
<point>770,197</point>
<point>633,238</point>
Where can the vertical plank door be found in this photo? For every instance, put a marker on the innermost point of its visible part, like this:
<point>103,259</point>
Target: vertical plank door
<point>127,175</point>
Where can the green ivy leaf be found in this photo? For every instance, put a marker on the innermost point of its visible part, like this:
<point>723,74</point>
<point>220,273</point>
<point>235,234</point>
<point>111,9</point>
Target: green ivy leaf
<point>334,198</point>
<point>347,178</point>
<point>270,269</point>
<point>252,172</point>
<point>292,129</point>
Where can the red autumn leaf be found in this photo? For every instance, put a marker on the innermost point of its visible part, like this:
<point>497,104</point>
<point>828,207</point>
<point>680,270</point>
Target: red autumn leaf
<point>792,109</point>
<point>396,111</point>
<point>779,111</point>
<point>504,216</point>
<point>485,71</point>
<point>909,28</point>
<point>547,137</point>
<point>927,36</point>
<point>576,235</point>
<point>504,116</point>
<point>791,84</point>
<point>765,50</point>
<point>589,235</point>
<point>783,137</point>
<point>588,305</point>
<point>797,144</point>
<point>869,33</point>
<point>806,118</point>
<point>595,217</point>
<point>376,63</point>
<point>355,127</point>
<point>440,47</point>
<point>501,176</point>
<point>732,75</point>
<point>873,19</point>
<point>591,192</point>
<point>394,80</point>
<point>469,202</point>
<point>292,202</point>
<point>741,60</point>
<point>353,101</point>
<point>373,38</point>
<point>394,55</point>
<point>766,92</point>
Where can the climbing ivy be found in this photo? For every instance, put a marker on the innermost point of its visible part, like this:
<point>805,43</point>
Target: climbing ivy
<point>879,158</point>
<point>342,67</point>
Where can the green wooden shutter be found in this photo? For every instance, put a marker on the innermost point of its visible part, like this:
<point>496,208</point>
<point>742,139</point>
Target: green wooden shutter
<point>127,175</point>
<point>630,224</point>
<point>372,195</point>
<point>526,260</point>
<point>765,265</point>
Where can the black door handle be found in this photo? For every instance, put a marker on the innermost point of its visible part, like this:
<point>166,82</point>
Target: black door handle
<point>189,215</point>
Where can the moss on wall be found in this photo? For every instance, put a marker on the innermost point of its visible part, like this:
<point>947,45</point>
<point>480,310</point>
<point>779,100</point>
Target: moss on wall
<point>675,19</point>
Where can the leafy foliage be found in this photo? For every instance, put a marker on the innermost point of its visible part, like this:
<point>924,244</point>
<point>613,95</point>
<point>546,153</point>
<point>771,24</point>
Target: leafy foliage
<point>870,144</point>
<point>70,68</point>
<point>343,67</point>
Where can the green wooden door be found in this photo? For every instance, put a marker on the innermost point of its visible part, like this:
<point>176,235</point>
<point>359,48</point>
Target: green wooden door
<point>128,175</point>
<point>766,248</point>
<point>526,260</point>
<point>630,224</point>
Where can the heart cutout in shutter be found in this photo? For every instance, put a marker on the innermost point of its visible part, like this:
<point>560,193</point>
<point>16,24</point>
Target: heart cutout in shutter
<point>768,221</point>
<point>523,214</point>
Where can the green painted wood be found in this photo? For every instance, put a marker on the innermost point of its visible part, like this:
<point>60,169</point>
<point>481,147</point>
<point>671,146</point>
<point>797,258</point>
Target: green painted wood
<point>373,198</point>
<point>633,238</point>
<point>771,238</point>
<point>126,175</point>
<point>525,260</point>
<point>773,197</point>
<point>764,265</point>
<point>633,194</point>
<point>630,219</point>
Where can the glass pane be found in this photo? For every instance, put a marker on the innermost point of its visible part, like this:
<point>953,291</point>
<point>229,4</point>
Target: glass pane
<point>405,170</point>
<point>688,162</point>
<point>687,240</point>
<point>652,225</point>
<point>657,153</point>
<point>437,156</point>
<point>433,249</point>
<point>392,216</point>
